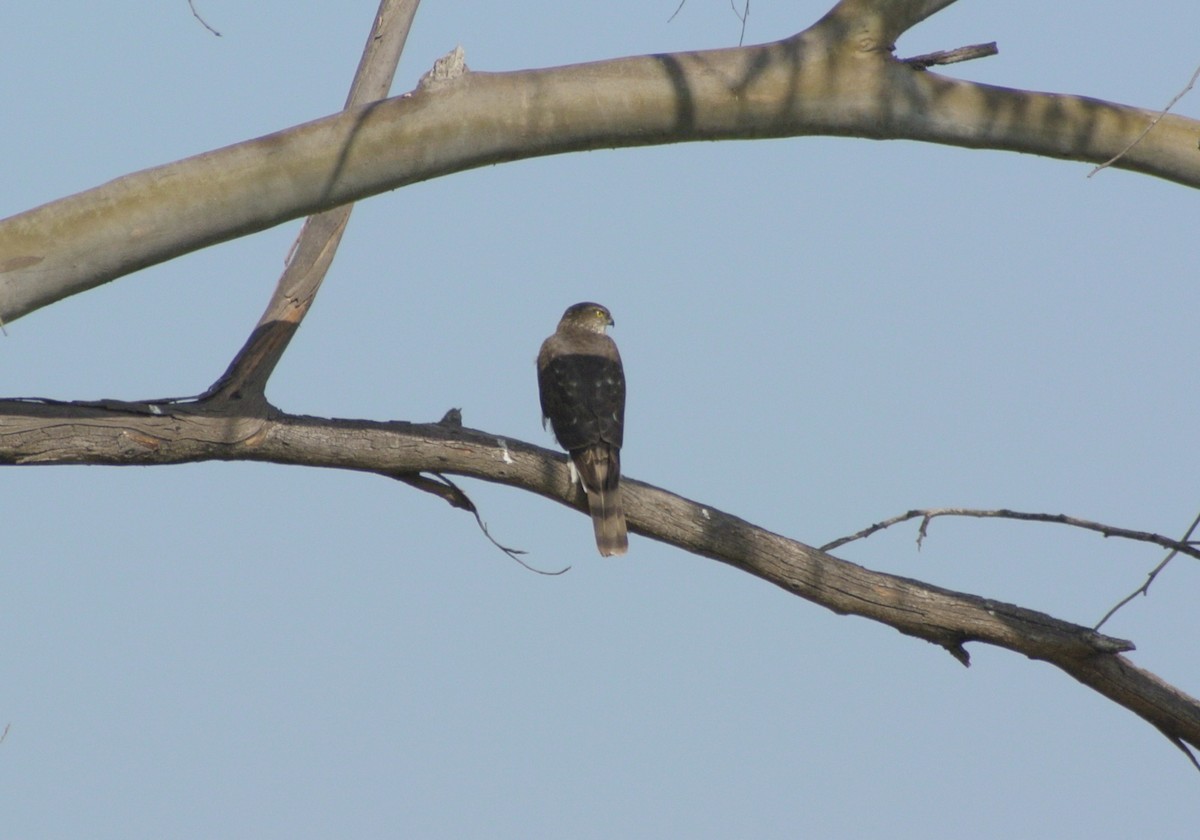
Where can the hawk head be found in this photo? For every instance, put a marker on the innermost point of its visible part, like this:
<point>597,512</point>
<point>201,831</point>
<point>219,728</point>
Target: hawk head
<point>588,316</point>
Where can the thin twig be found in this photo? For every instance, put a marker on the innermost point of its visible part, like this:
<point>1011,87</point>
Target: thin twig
<point>745,13</point>
<point>742,17</point>
<point>1191,83</point>
<point>1144,589</point>
<point>1177,741</point>
<point>443,489</point>
<point>924,62</point>
<point>196,15</point>
<point>1182,547</point>
<point>447,490</point>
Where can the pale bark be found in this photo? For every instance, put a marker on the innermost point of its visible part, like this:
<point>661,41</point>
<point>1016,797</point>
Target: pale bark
<point>838,77</point>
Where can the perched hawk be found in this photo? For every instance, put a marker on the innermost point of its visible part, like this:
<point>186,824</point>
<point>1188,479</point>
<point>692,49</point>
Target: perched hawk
<point>582,386</point>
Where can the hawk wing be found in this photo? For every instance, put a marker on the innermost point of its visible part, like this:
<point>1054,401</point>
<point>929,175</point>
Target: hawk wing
<point>583,397</point>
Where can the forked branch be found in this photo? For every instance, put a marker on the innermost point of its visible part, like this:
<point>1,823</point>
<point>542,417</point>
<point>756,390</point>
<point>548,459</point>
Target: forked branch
<point>927,515</point>
<point>247,375</point>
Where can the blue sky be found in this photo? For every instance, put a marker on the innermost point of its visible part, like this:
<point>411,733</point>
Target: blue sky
<point>818,334</point>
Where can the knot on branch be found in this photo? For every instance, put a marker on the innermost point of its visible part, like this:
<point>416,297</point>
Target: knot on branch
<point>445,70</point>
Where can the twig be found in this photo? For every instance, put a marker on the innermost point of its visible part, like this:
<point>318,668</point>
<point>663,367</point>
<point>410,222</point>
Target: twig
<point>924,62</point>
<point>1180,546</point>
<point>443,489</point>
<point>745,13</point>
<point>446,489</point>
<point>1144,589</point>
<point>1177,741</point>
<point>742,17</point>
<point>1191,83</point>
<point>196,15</point>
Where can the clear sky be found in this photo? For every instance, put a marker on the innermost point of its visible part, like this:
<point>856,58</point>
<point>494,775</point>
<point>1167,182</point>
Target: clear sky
<point>818,334</point>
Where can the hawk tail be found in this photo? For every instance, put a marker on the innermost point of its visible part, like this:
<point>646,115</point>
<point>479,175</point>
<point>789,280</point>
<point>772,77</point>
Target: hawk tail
<point>599,471</point>
<point>608,521</point>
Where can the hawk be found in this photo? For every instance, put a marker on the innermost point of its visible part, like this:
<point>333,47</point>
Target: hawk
<point>582,388</point>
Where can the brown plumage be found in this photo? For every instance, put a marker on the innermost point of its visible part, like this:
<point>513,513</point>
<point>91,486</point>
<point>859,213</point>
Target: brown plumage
<point>582,388</point>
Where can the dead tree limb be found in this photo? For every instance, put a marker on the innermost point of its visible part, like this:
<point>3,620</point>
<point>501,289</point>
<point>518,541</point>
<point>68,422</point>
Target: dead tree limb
<point>126,434</point>
<point>927,515</point>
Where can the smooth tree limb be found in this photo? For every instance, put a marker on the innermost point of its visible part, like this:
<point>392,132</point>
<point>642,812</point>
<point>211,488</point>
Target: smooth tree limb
<point>247,375</point>
<point>838,77</point>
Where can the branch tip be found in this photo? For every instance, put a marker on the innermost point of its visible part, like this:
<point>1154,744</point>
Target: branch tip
<point>452,494</point>
<point>203,22</point>
<point>1185,545</point>
<point>954,56</point>
<point>959,652</point>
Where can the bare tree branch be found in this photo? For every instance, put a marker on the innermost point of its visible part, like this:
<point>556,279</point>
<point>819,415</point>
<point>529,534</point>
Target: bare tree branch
<point>927,515</point>
<point>838,77</point>
<point>1179,548</point>
<point>1191,83</point>
<point>454,495</point>
<point>44,432</point>
<point>247,375</point>
<point>203,22</point>
<point>743,16</point>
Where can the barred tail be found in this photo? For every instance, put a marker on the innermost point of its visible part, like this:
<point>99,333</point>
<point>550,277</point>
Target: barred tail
<point>608,521</point>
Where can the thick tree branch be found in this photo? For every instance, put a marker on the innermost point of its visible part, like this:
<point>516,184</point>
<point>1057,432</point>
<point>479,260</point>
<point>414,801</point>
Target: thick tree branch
<point>42,432</point>
<point>836,78</point>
